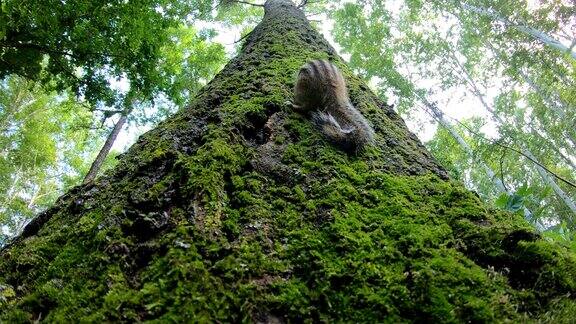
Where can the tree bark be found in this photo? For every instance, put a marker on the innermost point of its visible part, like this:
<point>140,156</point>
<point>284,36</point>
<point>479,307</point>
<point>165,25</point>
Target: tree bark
<point>239,210</point>
<point>99,160</point>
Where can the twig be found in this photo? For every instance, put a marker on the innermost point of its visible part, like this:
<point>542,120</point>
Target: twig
<point>481,137</point>
<point>248,3</point>
<point>108,111</point>
<point>502,172</point>
<point>566,181</point>
<point>241,38</point>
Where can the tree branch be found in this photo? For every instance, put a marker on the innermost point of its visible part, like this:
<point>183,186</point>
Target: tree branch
<point>248,3</point>
<point>48,50</point>
<point>498,143</point>
<point>501,170</point>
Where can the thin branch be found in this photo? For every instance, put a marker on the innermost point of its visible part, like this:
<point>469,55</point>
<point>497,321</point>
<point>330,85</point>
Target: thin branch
<point>566,181</point>
<point>118,111</point>
<point>501,169</point>
<point>248,3</point>
<point>48,50</point>
<point>241,39</point>
<point>498,143</point>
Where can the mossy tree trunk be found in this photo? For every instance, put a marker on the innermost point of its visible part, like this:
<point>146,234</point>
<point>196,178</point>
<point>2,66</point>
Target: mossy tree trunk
<point>237,209</point>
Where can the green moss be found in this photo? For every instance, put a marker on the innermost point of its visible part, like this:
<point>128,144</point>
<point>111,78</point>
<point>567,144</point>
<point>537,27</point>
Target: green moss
<point>187,230</point>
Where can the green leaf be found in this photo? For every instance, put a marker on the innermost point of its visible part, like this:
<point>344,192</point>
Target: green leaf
<point>514,203</point>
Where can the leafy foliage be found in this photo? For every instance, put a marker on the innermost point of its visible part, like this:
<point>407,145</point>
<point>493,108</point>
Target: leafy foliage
<point>45,140</point>
<point>84,44</point>
<point>189,60</point>
<point>142,57</point>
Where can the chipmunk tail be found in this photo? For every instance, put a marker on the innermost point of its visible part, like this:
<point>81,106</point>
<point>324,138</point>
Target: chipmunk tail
<point>351,139</point>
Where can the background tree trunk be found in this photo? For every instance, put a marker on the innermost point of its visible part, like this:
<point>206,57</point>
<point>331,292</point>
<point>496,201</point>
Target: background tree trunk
<point>533,32</point>
<point>103,153</point>
<point>441,119</point>
<point>238,209</point>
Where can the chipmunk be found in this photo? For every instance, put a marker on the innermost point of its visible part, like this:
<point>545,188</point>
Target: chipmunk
<point>321,90</point>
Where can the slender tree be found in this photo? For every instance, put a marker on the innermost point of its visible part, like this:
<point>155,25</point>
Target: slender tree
<point>99,160</point>
<point>238,209</point>
<point>438,115</point>
<point>535,33</point>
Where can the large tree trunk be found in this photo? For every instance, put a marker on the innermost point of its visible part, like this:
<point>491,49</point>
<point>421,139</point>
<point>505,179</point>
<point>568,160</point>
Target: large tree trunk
<point>237,209</point>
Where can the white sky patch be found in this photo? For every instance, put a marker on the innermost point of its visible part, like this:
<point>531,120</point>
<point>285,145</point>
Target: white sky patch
<point>228,37</point>
<point>120,84</point>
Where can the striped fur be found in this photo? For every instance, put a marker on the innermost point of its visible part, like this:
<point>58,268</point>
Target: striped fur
<point>321,91</point>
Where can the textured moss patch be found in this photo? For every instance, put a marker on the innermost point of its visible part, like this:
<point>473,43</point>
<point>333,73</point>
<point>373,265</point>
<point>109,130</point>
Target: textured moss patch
<point>385,247</point>
<point>186,228</point>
